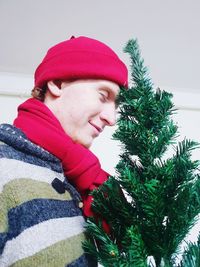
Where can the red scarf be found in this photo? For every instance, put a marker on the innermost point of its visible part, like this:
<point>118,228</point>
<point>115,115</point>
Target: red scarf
<point>81,166</point>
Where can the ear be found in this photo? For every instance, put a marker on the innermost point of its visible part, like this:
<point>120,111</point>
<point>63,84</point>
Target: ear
<point>55,88</point>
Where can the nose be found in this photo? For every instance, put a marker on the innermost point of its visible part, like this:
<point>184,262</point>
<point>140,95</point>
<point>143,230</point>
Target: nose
<point>108,114</point>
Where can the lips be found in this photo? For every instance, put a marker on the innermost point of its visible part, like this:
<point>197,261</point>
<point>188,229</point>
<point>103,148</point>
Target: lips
<point>99,129</point>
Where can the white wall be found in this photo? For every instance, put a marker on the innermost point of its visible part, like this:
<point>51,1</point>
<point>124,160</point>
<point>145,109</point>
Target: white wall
<point>14,89</point>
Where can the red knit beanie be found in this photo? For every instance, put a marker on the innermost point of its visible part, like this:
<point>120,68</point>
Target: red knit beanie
<point>81,58</point>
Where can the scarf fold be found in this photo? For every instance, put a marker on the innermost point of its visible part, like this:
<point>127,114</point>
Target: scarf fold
<point>80,165</point>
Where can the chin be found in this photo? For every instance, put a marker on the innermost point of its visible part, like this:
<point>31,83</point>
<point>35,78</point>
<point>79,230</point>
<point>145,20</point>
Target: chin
<point>87,145</point>
<point>84,143</point>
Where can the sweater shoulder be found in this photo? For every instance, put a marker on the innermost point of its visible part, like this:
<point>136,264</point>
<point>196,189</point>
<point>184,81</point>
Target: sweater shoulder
<point>15,145</point>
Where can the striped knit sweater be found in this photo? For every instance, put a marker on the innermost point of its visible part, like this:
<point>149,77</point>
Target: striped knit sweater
<point>38,225</point>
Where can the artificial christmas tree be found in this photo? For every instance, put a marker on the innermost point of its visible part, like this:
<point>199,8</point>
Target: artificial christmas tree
<point>153,201</point>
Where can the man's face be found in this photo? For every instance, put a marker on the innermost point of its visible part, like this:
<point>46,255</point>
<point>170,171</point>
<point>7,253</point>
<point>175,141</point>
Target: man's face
<point>85,107</point>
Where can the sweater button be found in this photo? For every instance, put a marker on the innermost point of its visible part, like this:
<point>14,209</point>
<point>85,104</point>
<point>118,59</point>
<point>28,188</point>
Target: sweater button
<point>58,186</point>
<point>80,205</point>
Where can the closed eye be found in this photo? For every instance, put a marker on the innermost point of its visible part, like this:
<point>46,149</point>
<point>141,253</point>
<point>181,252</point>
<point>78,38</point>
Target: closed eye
<point>103,96</point>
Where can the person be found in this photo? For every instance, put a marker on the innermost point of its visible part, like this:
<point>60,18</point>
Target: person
<point>47,169</point>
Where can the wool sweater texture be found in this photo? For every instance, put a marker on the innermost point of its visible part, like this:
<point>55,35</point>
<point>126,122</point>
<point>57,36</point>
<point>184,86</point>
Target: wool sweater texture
<point>39,226</point>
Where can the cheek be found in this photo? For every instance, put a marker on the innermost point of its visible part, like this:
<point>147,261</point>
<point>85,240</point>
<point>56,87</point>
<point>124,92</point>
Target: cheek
<point>77,117</point>
<point>79,112</point>
<point>86,111</point>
